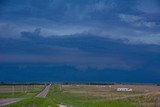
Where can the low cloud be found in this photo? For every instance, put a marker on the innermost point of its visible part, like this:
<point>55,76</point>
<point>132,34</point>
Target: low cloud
<point>137,21</point>
<point>85,51</point>
<point>78,60</point>
<point>32,35</point>
<point>149,6</point>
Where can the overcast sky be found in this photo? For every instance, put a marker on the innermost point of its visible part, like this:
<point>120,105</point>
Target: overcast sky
<point>136,20</point>
<point>98,34</point>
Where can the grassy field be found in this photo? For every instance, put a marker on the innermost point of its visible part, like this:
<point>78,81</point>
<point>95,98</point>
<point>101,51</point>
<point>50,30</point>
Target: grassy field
<point>35,102</point>
<point>92,96</point>
<point>141,96</point>
<point>82,100</point>
<point>20,91</point>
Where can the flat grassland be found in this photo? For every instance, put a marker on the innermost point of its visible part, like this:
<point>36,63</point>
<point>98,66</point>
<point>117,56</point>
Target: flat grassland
<point>19,91</point>
<point>94,96</point>
<point>141,96</point>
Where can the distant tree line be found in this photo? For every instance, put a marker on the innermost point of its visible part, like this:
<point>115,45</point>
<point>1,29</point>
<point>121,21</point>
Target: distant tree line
<point>158,84</point>
<point>87,83</point>
<point>68,83</point>
<point>19,83</point>
<point>63,83</point>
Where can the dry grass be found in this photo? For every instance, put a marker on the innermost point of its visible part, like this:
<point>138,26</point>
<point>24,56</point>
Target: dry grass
<point>142,95</point>
<point>19,88</point>
<point>108,91</point>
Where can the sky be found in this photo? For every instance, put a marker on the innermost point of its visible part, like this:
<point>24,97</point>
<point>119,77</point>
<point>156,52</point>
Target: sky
<point>80,40</point>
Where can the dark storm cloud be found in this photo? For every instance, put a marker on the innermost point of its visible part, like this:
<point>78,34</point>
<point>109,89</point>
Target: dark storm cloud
<point>119,19</point>
<point>120,35</point>
<point>81,51</point>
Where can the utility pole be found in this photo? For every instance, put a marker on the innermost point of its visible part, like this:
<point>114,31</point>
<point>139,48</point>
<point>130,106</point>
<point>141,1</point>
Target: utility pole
<point>22,89</point>
<point>26,88</point>
<point>60,87</point>
<point>12,90</point>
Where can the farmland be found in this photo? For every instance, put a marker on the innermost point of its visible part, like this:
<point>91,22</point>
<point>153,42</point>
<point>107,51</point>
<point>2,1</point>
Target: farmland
<point>12,91</point>
<point>88,96</point>
<point>142,95</point>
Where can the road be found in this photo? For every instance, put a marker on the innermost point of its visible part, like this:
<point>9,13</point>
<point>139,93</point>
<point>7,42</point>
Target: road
<point>4,102</point>
<point>7,101</point>
<point>44,93</point>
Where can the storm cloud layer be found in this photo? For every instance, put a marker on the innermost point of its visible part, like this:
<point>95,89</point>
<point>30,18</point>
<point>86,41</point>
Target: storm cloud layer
<point>81,38</point>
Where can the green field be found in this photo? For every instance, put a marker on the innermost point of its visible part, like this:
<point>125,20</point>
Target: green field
<point>57,96</point>
<point>35,102</point>
<point>79,100</point>
<point>84,96</point>
<point>27,93</point>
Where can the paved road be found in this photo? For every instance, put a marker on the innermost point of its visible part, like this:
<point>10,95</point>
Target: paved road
<point>7,101</point>
<point>44,93</point>
<point>4,102</point>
